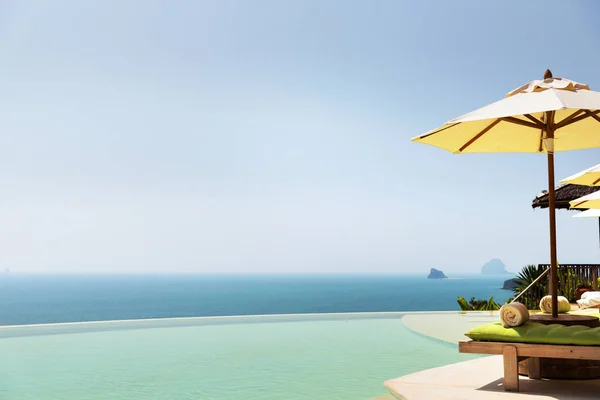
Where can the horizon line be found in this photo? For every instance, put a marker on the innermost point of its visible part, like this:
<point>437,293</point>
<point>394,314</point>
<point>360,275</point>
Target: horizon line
<point>242,273</point>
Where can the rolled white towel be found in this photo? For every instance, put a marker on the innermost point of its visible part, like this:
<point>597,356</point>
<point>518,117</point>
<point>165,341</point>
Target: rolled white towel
<point>513,314</point>
<point>563,304</point>
<point>590,295</point>
<point>588,302</point>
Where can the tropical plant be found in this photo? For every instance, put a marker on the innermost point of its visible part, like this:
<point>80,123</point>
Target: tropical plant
<point>568,281</point>
<point>534,294</point>
<point>478,304</point>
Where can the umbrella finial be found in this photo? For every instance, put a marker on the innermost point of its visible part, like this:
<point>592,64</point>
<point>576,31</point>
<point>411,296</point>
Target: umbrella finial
<point>547,74</point>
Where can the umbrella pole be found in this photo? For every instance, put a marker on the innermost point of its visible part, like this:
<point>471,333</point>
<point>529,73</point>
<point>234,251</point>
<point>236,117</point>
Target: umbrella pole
<point>552,212</point>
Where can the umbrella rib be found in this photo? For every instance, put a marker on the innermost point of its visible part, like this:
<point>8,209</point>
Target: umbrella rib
<point>536,121</point>
<point>480,134</point>
<point>568,118</point>
<point>593,115</point>
<point>518,121</point>
<point>438,131</point>
<point>586,114</point>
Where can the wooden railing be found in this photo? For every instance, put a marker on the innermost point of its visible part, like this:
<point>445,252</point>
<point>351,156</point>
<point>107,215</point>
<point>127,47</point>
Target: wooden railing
<point>579,273</point>
<point>570,277</point>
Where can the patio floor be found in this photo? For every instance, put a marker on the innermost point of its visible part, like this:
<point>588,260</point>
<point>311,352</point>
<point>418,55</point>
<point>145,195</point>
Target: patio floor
<point>481,379</point>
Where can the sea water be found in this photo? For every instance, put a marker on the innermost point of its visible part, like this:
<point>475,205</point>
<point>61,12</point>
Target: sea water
<point>35,299</point>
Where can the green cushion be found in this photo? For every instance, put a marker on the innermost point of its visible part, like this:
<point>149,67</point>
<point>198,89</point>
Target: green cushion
<point>537,333</point>
<point>586,312</point>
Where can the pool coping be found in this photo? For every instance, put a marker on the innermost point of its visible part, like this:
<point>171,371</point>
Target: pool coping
<point>12,331</point>
<point>304,316</point>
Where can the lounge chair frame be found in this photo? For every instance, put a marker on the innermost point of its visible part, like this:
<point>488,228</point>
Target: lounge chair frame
<point>513,353</point>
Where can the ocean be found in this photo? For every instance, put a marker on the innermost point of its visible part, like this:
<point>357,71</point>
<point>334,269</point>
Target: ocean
<point>37,299</point>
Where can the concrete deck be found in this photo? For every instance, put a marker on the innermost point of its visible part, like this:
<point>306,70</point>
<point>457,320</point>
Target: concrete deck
<point>455,325</point>
<point>481,379</point>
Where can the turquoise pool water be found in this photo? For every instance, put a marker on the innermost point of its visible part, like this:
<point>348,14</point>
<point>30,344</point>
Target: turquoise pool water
<point>253,358</point>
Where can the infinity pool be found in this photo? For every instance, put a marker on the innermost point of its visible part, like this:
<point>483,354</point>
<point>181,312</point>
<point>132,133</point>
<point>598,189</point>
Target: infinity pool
<point>335,356</point>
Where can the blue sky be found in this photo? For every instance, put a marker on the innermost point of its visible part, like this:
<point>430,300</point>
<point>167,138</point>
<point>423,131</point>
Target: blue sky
<point>270,136</point>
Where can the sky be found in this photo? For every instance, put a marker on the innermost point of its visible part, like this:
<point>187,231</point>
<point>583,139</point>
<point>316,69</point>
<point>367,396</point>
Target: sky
<point>274,137</point>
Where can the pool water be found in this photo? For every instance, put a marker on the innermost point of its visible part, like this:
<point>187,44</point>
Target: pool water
<point>210,358</point>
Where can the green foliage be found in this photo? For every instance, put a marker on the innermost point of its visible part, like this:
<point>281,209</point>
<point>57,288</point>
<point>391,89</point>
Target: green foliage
<point>464,305</point>
<point>568,282</point>
<point>529,273</point>
<point>478,304</point>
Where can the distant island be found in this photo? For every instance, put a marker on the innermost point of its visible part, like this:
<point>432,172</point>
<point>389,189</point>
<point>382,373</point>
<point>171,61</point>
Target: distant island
<point>494,267</point>
<point>510,284</point>
<point>436,274</point>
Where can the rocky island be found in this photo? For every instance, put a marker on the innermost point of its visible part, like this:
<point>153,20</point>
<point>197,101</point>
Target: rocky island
<point>510,284</point>
<point>436,274</point>
<point>494,267</point>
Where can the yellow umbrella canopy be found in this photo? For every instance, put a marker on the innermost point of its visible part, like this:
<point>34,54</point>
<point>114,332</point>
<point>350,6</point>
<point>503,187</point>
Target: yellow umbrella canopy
<point>588,177</point>
<point>592,200</point>
<point>542,116</point>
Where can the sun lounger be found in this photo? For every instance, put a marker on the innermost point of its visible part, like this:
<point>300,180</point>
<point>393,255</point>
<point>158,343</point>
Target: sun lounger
<point>513,353</point>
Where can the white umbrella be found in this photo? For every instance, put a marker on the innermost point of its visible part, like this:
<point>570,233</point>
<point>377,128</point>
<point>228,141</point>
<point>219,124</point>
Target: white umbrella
<point>587,177</point>
<point>543,116</point>
<point>591,213</point>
